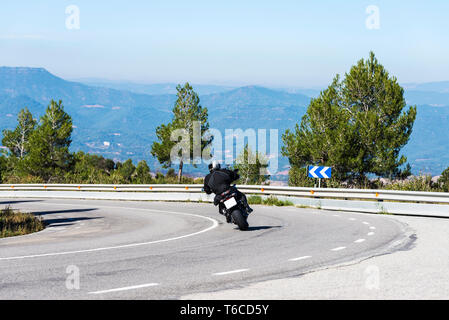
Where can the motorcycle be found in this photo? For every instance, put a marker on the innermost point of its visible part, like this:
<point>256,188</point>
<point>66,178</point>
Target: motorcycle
<point>233,208</point>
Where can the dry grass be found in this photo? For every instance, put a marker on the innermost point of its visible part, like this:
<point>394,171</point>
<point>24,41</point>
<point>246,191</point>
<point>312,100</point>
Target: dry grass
<point>18,223</point>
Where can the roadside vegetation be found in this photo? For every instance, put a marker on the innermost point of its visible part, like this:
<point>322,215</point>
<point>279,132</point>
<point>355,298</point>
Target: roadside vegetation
<point>269,201</point>
<point>358,126</point>
<point>18,223</point>
<point>38,152</point>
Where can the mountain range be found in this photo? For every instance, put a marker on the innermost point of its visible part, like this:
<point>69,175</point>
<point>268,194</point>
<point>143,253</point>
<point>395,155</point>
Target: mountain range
<point>118,119</point>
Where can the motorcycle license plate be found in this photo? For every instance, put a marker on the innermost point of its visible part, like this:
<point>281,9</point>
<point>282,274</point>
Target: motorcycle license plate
<point>230,203</point>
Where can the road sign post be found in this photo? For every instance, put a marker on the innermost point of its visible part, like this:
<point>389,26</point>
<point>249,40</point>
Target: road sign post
<point>319,173</point>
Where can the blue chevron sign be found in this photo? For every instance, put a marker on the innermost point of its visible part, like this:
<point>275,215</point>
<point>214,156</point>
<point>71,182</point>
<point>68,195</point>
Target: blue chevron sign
<point>319,172</point>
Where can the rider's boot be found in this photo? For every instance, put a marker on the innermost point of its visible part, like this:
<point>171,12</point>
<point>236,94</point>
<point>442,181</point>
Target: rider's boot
<point>245,203</point>
<point>248,208</point>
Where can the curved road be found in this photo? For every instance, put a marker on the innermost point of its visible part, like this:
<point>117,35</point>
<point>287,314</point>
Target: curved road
<point>155,250</point>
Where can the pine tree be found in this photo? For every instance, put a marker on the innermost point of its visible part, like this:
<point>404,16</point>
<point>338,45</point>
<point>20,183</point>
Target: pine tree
<point>357,125</point>
<point>252,167</point>
<point>17,141</point>
<point>142,174</point>
<point>49,156</point>
<point>126,170</point>
<point>186,112</point>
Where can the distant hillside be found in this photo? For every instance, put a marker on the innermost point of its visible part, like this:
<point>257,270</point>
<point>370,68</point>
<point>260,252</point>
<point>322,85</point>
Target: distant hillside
<point>121,124</point>
<point>430,93</point>
<point>153,89</point>
<point>42,86</point>
<point>428,148</point>
<point>255,96</point>
<point>440,86</point>
<point>10,105</point>
<point>436,99</point>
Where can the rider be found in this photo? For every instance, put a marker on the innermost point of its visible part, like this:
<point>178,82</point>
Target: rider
<point>219,180</point>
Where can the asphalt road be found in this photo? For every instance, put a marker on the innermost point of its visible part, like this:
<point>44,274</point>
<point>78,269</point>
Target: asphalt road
<point>155,250</point>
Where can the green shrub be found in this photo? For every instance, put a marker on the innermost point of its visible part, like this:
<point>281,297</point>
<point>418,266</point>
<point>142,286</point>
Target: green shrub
<point>255,200</point>
<point>270,201</point>
<point>443,181</point>
<point>273,201</point>
<point>419,183</point>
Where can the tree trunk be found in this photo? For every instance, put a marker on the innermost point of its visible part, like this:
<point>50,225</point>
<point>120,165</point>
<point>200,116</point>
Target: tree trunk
<point>180,171</point>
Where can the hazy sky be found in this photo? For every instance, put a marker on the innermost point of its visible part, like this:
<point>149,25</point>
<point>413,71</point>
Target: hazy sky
<point>273,43</point>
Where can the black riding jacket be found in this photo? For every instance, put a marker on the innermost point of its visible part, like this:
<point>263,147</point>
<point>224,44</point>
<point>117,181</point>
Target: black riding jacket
<point>219,180</point>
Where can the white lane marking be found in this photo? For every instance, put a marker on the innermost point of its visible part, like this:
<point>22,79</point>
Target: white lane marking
<point>300,258</point>
<point>55,229</point>
<point>370,233</point>
<point>229,272</point>
<point>364,222</point>
<point>214,225</point>
<point>125,288</point>
<point>352,219</point>
<point>372,228</point>
<point>336,215</point>
<point>359,240</point>
<point>338,248</point>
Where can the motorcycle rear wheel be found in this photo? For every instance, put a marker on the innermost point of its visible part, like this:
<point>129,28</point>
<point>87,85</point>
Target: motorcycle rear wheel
<point>240,219</point>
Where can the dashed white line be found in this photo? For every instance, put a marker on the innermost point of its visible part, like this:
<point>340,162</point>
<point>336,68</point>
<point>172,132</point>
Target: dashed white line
<point>336,215</point>
<point>372,228</point>
<point>364,222</point>
<point>125,288</point>
<point>359,240</point>
<point>370,233</point>
<point>229,272</point>
<point>352,219</point>
<point>300,258</point>
<point>338,248</point>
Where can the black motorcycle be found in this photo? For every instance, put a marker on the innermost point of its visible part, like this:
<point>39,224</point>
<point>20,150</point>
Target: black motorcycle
<point>233,208</point>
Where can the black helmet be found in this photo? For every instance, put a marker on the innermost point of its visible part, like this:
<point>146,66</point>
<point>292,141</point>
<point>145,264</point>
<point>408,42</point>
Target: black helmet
<point>214,165</point>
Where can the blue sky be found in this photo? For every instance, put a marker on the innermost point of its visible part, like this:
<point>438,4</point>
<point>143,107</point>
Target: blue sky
<point>272,43</point>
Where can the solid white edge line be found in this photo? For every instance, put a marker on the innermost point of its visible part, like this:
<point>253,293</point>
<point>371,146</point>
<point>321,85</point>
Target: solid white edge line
<point>214,225</point>
<point>359,240</point>
<point>300,258</point>
<point>125,288</point>
<point>229,272</point>
<point>338,248</point>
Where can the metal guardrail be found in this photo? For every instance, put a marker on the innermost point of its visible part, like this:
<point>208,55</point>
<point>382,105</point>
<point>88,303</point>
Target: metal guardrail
<point>301,192</point>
